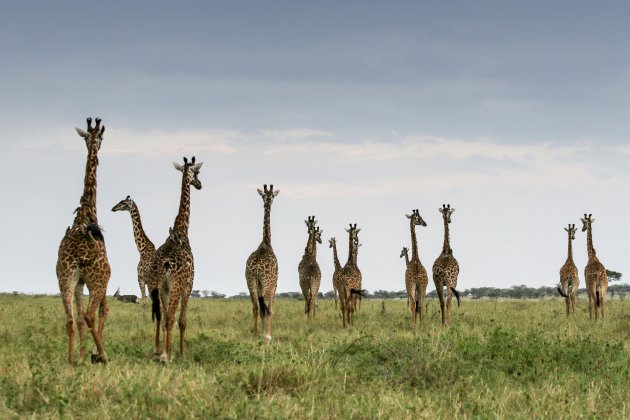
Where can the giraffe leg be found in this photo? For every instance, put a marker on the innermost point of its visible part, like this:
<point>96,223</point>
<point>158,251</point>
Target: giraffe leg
<point>439,288</point>
<point>335,290</point>
<point>67,306</point>
<point>94,303</point>
<point>182,322</point>
<point>78,296</point>
<point>449,297</point>
<point>590,304</point>
<point>103,311</point>
<point>269,317</point>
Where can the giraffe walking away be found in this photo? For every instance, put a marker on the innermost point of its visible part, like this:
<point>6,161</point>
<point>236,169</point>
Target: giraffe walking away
<point>350,278</point>
<point>172,269</point>
<point>569,280</point>
<point>143,243</point>
<point>261,269</point>
<point>308,268</point>
<point>82,259</point>
<point>335,280</point>
<point>416,279</point>
<point>446,269</point>
<point>595,275</point>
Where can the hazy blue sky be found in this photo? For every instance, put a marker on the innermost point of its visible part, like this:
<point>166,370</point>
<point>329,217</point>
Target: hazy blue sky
<point>515,113</point>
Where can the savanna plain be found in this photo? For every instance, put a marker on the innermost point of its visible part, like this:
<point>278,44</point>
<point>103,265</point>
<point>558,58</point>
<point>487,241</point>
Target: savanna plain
<point>498,358</point>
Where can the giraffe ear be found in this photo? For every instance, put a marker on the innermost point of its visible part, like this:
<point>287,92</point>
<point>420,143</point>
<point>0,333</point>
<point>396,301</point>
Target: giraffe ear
<point>178,167</point>
<point>408,217</point>
<point>592,220</point>
<point>453,210</point>
<point>358,230</point>
<point>566,229</point>
<point>276,192</point>
<point>82,133</point>
<point>262,194</point>
<point>197,166</point>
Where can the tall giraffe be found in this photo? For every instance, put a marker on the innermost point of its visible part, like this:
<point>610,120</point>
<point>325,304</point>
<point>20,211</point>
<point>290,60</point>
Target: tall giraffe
<point>308,269</point>
<point>446,268</point>
<point>594,273</point>
<point>143,243</point>
<point>82,259</point>
<point>416,279</point>
<point>569,279</point>
<point>261,269</point>
<point>350,278</point>
<point>172,269</point>
<point>333,244</point>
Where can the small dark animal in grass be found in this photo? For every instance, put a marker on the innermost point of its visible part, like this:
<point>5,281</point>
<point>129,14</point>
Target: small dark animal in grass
<point>125,298</point>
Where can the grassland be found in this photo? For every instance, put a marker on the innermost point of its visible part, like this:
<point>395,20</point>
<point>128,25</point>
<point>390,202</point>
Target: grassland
<point>515,359</point>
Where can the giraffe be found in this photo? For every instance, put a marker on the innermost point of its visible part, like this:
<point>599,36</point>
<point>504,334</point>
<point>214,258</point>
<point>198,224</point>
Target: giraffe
<point>594,273</point>
<point>172,269</point>
<point>82,259</point>
<point>446,268</point>
<point>261,269</point>
<point>350,278</point>
<point>416,279</point>
<point>405,253</point>
<point>143,243</point>
<point>333,244</point>
<point>569,280</point>
<point>308,269</point>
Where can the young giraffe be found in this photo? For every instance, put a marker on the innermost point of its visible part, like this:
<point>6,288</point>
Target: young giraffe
<point>594,273</point>
<point>308,269</point>
<point>82,259</point>
<point>405,253</point>
<point>350,278</point>
<point>333,245</point>
<point>172,269</point>
<point>569,280</point>
<point>446,269</point>
<point>261,269</point>
<point>416,279</point>
<point>143,243</point>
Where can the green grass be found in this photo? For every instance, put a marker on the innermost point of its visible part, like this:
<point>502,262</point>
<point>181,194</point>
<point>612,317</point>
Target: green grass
<point>517,359</point>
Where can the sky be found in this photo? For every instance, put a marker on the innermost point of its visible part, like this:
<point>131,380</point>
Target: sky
<point>514,113</point>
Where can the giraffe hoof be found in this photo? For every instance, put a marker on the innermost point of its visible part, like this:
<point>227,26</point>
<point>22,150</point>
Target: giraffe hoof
<point>99,359</point>
<point>267,337</point>
<point>163,359</point>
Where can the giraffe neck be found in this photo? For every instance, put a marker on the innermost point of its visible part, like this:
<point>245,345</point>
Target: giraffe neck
<point>142,240</point>
<point>407,259</point>
<point>446,248</point>
<point>267,225</point>
<point>87,211</point>
<point>589,243</point>
<point>570,250</point>
<point>183,216</point>
<point>414,243</point>
<point>336,259</point>
<point>355,255</point>
<point>311,247</point>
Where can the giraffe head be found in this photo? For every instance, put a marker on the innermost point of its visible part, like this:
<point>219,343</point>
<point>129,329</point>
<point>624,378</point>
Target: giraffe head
<point>318,234</point>
<point>416,219</point>
<point>571,231</point>
<point>268,194</point>
<point>446,211</point>
<point>94,135</point>
<point>124,205</point>
<point>191,170</point>
<point>310,223</point>
<point>354,234</point>
<point>332,242</point>
<point>404,252</point>
<point>587,221</point>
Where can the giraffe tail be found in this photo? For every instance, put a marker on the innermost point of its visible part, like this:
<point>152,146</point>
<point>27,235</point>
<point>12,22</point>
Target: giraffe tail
<point>598,301</point>
<point>417,298</point>
<point>155,305</point>
<point>359,292</point>
<point>96,231</point>
<point>456,293</point>
<point>264,310</point>
<point>561,291</point>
